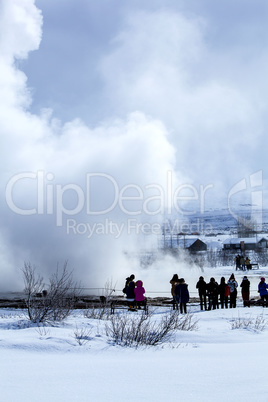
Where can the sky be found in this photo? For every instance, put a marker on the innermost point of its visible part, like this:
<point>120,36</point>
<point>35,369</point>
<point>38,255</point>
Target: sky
<point>115,115</point>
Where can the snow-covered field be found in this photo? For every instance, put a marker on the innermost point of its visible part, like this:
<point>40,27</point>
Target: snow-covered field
<point>212,363</point>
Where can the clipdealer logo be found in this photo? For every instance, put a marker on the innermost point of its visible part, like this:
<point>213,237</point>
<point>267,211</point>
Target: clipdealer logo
<point>50,198</point>
<point>253,187</point>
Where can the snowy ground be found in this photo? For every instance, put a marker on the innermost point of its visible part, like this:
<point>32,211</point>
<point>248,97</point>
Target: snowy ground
<point>212,363</point>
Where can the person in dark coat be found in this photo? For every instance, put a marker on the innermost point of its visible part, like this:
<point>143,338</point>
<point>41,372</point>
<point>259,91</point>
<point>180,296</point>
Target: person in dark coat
<point>130,292</point>
<point>126,285</point>
<point>237,262</point>
<point>212,292</point>
<point>245,285</point>
<point>128,279</point>
<point>182,295</point>
<point>202,291</point>
<point>233,290</point>
<point>222,293</point>
<point>174,282</point>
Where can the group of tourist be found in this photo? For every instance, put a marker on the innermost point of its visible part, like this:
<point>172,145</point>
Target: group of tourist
<point>214,294</point>
<point>211,294</point>
<point>134,293</point>
<point>242,262</point>
<point>180,293</point>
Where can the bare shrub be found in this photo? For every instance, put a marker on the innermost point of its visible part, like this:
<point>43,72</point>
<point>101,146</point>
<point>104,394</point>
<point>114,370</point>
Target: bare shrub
<point>260,323</point>
<point>102,311</point>
<point>52,304</point>
<point>143,330</point>
<point>187,322</point>
<point>82,335</point>
<point>257,324</point>
<point>95,312</point>
<point>108,290</point>
<point>42,330</point>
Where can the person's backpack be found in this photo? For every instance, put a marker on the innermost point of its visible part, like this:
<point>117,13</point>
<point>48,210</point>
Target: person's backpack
<point>227,291</point>
<point>126,285</point>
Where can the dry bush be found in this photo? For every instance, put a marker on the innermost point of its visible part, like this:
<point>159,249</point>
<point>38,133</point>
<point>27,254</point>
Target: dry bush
<point>54,303</point>
<point>82,335</point>
<point>257,324</point>
<point>143,330</point>
<point>98,312</point>
<point>102,311</point>
<point>42,330</point>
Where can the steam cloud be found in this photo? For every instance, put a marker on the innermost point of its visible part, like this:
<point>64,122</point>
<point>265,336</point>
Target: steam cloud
<point>161,119</point>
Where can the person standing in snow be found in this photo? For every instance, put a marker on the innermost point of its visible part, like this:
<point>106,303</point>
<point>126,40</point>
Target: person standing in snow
<point>213,291</point>
<point>174,282</point>
<point>247,263</point>
<point>245,285</point>
<point>182,295</point>
<point>262,289</point>
<point>237,262</point>
<point>242,263</point>
<point>202,291</point>
<point>139,292</point>
<point>233,290</point>
<point>223,293</point>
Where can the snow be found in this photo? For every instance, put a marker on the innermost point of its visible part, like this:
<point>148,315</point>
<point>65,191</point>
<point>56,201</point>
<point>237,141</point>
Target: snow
<point>213,362</point>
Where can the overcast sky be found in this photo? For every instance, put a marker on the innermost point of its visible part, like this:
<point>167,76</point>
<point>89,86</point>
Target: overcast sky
<point>144,93</point>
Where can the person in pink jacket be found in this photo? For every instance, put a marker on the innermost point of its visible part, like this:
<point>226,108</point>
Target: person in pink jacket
<point>139,294</point>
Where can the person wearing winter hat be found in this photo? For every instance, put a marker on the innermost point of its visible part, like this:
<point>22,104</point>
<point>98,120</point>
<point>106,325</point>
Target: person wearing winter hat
<point>233,290</point>
<point>182,295</point>
<point>130,292</point>
<point>174,281</point>
<point>202,291</point>
<point>213,294</point>
<point>223,293</point>
<point>245,285</point>
<point>262,289</point>
<point>139,294</point>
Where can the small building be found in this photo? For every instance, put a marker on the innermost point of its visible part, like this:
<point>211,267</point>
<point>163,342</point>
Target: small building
<point>175,242</point>
<point>247,243</point>
<point>193,245</point>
